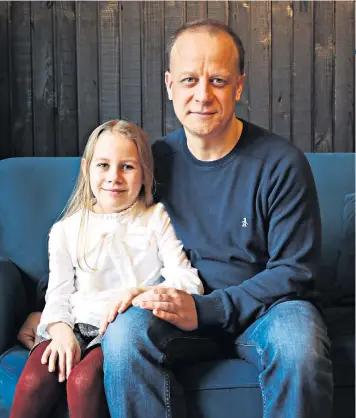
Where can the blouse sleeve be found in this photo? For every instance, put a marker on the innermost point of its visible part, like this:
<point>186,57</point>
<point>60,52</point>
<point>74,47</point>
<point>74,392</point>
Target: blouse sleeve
<point>177,270</point>
<point>60,282</point>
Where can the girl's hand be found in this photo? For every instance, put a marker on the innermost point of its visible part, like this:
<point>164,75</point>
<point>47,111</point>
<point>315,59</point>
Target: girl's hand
<point>119,305</point>
<point>63,348</point>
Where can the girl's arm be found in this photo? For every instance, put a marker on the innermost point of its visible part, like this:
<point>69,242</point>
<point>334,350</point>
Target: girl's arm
<point>177,270</point>
<point>60,282</point>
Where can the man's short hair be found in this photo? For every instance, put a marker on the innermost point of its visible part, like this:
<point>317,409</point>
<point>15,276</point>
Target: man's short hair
<point>211,26</point>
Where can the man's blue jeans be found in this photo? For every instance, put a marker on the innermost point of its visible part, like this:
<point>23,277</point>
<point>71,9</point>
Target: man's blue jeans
<point>288,345</point>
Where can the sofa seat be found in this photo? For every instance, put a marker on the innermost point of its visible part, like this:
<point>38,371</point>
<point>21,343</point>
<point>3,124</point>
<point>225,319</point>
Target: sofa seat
<point>227,382</point>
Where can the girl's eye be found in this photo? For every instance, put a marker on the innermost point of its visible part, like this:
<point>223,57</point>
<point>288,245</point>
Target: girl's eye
<point>102,165</point>
<point>127,167</point>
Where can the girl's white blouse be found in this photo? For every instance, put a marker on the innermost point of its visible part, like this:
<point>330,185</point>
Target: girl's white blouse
<point>122,250</point>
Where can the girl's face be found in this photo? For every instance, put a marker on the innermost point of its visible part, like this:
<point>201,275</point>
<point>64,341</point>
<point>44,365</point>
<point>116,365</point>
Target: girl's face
<point>115,173</point>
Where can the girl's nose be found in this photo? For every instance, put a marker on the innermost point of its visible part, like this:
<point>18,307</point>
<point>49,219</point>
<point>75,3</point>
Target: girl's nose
<point>115,176</point>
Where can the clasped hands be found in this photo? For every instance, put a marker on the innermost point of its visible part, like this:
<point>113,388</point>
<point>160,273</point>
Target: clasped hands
<point>171,305</point>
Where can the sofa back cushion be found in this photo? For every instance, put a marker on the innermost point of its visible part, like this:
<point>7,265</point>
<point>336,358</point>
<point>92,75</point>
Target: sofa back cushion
<point>345,265</point>
<point>34,191</point>
<point>334,176</point>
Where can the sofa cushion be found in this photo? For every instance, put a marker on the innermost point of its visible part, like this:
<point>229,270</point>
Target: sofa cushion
<point>331,190</point>
<point>44,184</point>
<point>341,329</point>
<point>345,268</point>
<point>12,363</point>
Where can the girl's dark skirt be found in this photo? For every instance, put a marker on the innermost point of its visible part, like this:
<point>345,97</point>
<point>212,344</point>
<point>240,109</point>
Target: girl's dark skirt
<point>87,335</point>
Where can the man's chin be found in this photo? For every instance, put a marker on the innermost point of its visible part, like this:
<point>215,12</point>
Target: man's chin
<point>202,131</point>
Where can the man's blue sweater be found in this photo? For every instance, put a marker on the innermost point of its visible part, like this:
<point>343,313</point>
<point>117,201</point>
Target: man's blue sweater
<point>249,222</point>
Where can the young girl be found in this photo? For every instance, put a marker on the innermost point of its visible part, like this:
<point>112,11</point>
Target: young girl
<point>111,244</point>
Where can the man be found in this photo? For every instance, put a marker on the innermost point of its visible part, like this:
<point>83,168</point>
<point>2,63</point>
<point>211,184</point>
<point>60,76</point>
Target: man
<point>243,202</point>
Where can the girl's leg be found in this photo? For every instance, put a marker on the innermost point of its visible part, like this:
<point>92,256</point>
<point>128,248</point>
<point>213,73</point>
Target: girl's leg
<point>85,387</point>
<point>37,390</point>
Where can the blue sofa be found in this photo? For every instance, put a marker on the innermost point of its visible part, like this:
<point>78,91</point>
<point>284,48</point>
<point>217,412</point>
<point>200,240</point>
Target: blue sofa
<point>34,190</point>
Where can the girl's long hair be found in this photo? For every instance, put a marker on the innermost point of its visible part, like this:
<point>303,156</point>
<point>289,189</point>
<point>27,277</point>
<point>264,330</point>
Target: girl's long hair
<point>82,198</point>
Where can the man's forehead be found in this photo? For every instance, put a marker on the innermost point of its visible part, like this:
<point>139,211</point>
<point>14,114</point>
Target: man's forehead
<point>194,46</point>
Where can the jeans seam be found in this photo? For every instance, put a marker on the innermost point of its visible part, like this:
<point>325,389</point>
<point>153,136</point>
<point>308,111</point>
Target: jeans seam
<point>259,352</point>
<point>167,389</point>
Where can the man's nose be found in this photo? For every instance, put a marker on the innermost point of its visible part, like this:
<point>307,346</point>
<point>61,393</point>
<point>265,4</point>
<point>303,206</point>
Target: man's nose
<point>203,93</point>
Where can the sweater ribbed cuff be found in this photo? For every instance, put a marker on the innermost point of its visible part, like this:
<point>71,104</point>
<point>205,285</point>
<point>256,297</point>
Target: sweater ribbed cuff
<point>210,310</point>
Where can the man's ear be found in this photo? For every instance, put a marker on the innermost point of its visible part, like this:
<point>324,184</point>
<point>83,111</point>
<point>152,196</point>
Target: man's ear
<point>83,167</point>
<point>168,80</point>
<point>239,87</point>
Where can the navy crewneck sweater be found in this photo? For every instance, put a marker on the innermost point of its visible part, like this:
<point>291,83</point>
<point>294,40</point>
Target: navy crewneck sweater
<point>249,222</point>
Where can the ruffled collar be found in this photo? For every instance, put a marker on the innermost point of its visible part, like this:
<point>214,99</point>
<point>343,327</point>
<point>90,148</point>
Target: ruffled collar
<point>128,213</point>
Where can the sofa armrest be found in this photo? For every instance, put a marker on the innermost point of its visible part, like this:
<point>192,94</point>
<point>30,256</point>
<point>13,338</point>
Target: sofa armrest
<point>13,306</point>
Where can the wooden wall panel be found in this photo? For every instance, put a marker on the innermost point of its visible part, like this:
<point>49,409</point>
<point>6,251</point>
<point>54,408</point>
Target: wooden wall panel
<point>281,36</point>
<point>22,134</point>
<point>87,69</point>
<point>174,17</point>
<point>44,133</point>
<point>260,64</point>
<point>344,76</point>
<point>152,64</point>
<point>109,60</point>
<point>324,48</point>
<point>130,63</point>
<point>218,10</point>
<point>5,83</point>
<point>65,66</point>
<point>196,10</point>
<point>302,75</point>
<point>240,22</point>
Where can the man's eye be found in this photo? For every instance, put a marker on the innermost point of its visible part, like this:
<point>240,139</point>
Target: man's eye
<point>188,80</point>
<point>218,81</point>
<point>102,165</point>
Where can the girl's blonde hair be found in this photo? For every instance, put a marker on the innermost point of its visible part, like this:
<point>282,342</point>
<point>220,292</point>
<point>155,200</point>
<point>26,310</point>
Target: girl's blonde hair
<point>82,198</point>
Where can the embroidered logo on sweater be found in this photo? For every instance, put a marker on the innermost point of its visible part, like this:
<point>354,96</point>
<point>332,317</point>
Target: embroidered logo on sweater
<point>244,223</point>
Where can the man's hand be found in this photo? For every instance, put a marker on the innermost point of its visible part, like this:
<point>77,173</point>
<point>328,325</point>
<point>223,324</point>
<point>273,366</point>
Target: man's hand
<point>64,349</point>
<point>119,305</point>
<point>27,334</point>
<point>171,305</point>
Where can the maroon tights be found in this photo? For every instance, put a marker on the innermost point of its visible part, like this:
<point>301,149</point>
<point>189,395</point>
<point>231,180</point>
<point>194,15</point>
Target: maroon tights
<point>38,391</point>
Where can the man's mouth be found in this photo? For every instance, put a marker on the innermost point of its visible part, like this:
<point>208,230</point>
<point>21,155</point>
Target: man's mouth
<point>203,113</point>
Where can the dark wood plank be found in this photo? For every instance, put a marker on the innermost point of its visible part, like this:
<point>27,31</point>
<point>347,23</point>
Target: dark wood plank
<point>282,25</point>
<point>218,10</point>
<point>5,83</point>
<point>302,80</point>
<point>21,76</point>
<point>130,47</point>
<point>260,59</point>
<point>87,69</point>
<point>42,78</point>
<point>152,64</point>
<point>323,76</point>
<point>344,134</point>
<point>240,23</point>
<point>174,17</point>
<point>109,50</point>
<point>196,10</point>
<point>66,115</point>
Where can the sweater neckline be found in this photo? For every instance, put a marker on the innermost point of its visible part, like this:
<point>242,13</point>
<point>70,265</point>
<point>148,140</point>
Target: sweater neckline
<point>117,216</point>
<point>215,163</point>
